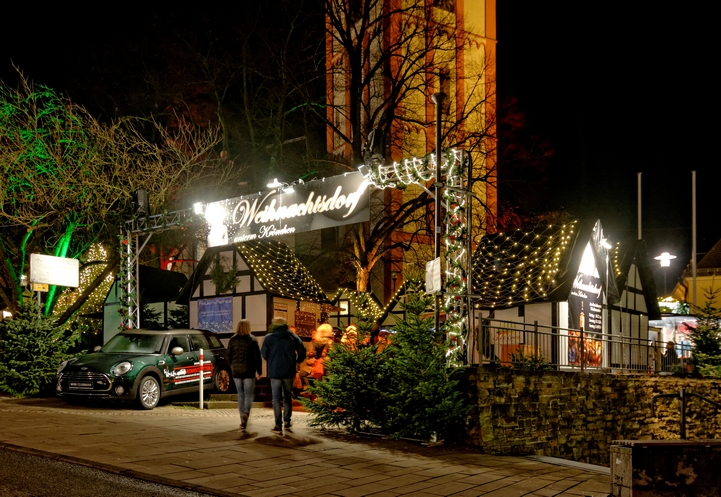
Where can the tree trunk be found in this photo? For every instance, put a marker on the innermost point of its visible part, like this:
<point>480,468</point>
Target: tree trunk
<point>363,277</point>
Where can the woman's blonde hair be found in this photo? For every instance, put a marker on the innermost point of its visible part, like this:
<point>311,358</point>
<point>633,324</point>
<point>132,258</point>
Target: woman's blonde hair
<point>243,327</point>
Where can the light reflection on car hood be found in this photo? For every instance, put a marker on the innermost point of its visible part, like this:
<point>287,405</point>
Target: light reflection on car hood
<point>102,362</point>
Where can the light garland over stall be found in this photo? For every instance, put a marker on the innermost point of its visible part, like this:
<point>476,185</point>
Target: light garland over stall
<point>456,200</point>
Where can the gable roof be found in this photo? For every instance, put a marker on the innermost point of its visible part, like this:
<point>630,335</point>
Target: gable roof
<point>394,309</point>
<point>279,270</point>
<point>712,259</point>
<point>636,254</point>
<point>157,285</point>
<point>523,266</point>
<point>536,265</point>
<point>363,303</point>
<point>273,264</point>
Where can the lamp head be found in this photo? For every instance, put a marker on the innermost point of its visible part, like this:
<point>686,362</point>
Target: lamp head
<point>199,208</point>
<point>665,259</point>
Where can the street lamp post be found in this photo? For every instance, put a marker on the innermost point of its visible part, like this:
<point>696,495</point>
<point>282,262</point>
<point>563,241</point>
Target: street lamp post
<point>438,99</point>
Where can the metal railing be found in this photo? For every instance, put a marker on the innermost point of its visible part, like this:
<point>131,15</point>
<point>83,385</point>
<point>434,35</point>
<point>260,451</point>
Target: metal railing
<point>533,346</point>
<point>682,395</point>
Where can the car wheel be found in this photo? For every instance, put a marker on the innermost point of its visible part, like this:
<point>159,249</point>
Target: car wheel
<point>223,381</point>
<point>148,393</point>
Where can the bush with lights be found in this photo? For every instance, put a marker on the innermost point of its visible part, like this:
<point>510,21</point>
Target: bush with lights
<point>31,349</point>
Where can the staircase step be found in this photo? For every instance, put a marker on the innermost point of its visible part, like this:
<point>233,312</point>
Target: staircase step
<point>217,404</point>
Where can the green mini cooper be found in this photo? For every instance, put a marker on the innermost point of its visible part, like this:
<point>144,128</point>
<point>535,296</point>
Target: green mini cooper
<point>146,365</point>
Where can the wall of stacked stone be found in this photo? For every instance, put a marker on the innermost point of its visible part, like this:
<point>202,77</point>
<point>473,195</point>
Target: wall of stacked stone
<point>576,416</point>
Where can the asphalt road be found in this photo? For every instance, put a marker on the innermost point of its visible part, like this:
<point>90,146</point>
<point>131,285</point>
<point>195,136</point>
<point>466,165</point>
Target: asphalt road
<point>27,475</point>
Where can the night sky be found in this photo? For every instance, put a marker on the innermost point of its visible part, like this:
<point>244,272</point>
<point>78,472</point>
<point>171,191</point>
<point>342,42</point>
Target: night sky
<point>617,93</point>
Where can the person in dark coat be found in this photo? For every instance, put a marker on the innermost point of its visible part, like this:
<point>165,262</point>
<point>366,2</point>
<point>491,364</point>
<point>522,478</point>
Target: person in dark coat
<point>670,357</point>
<point>244,358</point>
<point>283,350</point>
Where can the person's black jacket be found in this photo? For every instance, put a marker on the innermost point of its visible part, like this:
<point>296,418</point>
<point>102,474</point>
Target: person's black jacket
<point>283,350</point>
<point>244,356</point>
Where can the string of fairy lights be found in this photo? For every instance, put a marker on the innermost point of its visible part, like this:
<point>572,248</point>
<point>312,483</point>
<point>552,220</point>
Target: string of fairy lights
<point>419,171</point>
<point>365,307</point>
<point>456,253</point>
<point>95,300</point>
<point>279,270</point>
<point>521,266</point>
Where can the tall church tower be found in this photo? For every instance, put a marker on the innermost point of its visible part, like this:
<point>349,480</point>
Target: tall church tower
<point>384,61</point>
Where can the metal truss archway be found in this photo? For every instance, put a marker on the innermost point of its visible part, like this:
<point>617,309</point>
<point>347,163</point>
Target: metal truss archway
<point>456,199</point>
<point>456,195</point>
<point>130,250</point>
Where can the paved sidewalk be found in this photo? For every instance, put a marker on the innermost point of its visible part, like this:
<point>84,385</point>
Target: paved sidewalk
<point>205,451</point>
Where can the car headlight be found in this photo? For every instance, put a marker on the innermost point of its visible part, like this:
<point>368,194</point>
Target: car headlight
<point>122,368</point>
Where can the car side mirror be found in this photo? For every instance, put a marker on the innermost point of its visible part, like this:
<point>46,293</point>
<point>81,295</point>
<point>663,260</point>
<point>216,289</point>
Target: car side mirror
<point>97,348</point>
<point>176,351</point>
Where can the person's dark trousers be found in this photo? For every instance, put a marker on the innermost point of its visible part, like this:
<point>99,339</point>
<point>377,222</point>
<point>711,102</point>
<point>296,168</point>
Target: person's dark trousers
<point>282,386</point>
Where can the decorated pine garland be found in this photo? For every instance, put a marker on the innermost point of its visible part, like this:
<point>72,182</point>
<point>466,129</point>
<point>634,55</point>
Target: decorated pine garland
<point>223,278</point>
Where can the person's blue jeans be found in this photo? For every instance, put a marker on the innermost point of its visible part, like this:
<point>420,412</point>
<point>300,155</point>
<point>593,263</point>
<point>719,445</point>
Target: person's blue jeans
<point>246,392</point>
<point>282,386</point>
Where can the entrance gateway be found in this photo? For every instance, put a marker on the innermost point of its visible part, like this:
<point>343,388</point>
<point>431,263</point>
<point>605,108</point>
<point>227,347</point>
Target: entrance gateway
<point>317,204</point>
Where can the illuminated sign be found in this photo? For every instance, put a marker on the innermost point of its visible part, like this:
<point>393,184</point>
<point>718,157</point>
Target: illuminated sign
<point>311,206</point>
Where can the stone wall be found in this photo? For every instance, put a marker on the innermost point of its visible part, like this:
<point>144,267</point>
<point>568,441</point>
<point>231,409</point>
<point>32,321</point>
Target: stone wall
<point>577,415</point>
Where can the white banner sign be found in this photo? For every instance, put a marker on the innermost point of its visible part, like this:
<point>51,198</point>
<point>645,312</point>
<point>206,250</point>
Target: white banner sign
<point>51,270</point>
<point>433,276</point>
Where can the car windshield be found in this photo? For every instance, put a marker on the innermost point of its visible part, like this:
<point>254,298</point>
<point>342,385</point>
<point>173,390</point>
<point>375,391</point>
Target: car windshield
<point>134,343</point>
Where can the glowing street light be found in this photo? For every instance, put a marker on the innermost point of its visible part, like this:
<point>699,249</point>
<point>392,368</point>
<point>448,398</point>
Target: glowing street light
<point>665,259</point>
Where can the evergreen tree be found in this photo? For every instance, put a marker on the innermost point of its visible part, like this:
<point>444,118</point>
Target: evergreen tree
<point>352,394</point>
<point>31,349</point>
<point>706,338</point>
<point>404,389</point>
<point>150,318</point>
<point>179,318</point>
<point>423,401</point>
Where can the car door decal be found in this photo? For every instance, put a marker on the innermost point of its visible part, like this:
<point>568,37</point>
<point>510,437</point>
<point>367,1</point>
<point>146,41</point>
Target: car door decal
<point>187,374</point>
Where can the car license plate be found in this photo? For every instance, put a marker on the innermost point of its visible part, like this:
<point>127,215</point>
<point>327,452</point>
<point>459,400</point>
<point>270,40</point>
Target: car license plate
<point>81,384</point>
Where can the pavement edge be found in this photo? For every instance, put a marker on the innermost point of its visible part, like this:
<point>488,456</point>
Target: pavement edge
<point>109,468</point>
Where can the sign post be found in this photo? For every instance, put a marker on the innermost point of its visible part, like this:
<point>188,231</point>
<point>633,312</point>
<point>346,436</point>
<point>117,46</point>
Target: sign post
<point>200,375</point>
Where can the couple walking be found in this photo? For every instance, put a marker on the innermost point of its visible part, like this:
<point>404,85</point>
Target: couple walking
<point>282,349</point>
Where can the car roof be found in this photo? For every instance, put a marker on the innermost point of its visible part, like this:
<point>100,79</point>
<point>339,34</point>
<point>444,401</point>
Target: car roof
<point>184,331</point>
